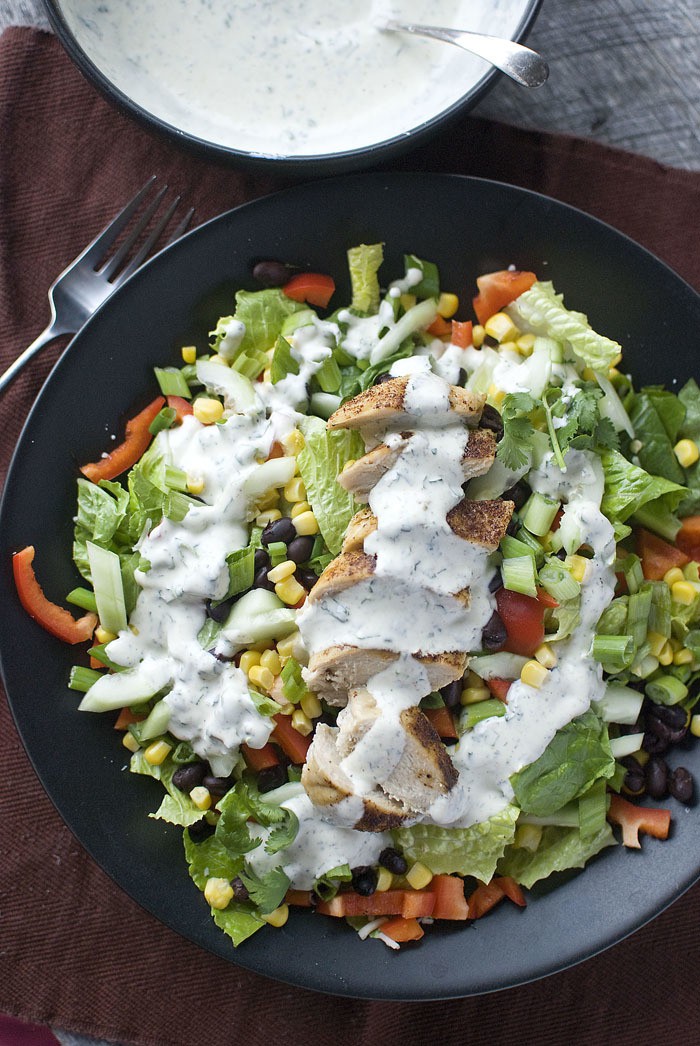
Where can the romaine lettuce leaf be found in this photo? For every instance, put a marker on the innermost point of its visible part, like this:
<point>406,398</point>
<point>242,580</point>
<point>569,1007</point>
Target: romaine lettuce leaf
<point>211,859</point>
<point>262,313</point>
<point>176,807</point>
<point>559,850</point>
<point>628,488</point>
<point>364,262</point>
<point>577,755</point>
<point>466,851</point>
<point>324,455</point>
<point>690,398</point>
<point>657,416</point>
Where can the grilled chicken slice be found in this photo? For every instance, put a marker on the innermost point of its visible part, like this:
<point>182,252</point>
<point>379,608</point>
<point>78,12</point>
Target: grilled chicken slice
<point>360,476</point>
<point>348,569</point>
<point>331,673</point>
<point>482,522</point>
<point>383,406</point>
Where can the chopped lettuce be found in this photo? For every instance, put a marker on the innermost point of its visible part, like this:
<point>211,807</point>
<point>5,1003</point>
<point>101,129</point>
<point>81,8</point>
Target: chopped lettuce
<point>657,416</point>
<point>629,489</point>
<point>467,851</point>
<point>322,459</point>
<point>176,807</point>
<point>559,850</point>
<point>689,396</point>
<point>262,313</point>
<point>211,859</point>
<point>364,262</point>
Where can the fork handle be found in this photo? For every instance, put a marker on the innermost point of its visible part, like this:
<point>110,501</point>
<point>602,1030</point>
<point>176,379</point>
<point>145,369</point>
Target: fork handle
<point>45,338</point>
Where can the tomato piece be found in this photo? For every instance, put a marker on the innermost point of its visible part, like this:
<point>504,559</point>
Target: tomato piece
<point>688,537</point>
<point>127,453</point>
<point>260,758</point>
<point>657,555</point>
<point>54,619</point>
<point>498,289</point>
<point>634,819</point>
<point>442,722</point>
<point>485,897</point>
<point>293,744</point>
<point>523,620</point>
<point>545,599</point>
<point>402,930</point>
<point>499,688</point>
<point>450,902</point>
<point>312,287</point>
<point>461,333</point>
<point>181,406</point>
<point>276,451</point>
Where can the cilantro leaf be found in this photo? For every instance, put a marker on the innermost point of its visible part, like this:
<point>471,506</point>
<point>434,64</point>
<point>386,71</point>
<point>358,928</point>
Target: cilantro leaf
<point>518,430</point>
<point>283,834</point>
<point>265,891</point>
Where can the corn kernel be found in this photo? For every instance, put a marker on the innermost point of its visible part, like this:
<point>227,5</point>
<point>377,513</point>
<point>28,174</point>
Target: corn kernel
<point>261,677</point>
<point>478,335</point>
<point>588,374</point>
<point>267,375</point>
<point>301,723</point>
<point>290,591</point>
<point>546,656</point>
<point>201,797</point>
<point>287,708</point>
<point>249,658</point>
<point>496,395</point>
<point>695,725</point>
<point>408,301</point>
<point>510,346</point>
<point>130,742</point>
<point>665,656</point>
<point>157,753</point>
<point>501,327</point>
<point>687,452</point>
<point>207,411</point>
<point>305,523</point>
<point>533,674</point>
<point>285,647</point>
<point>656,643</point>
<point>188,353</point>
<point>528,836</point>
<point>311,706</point>
<point>218,892</point>
<point>471,695</point>
<point>293,443</point>
<point>683,592</point>
<point>282,571</point>
<point>578,565</point>
<point>295,490</point>
<point>682,657</point>
<point>418,876</point>
<point>268,516</point>
<point>103,636</point>
<point>195,484</point>
<point>299,509</point>
<point>673,575</point>
<point>447,305</point>
<point>526,343</point>
<point>278,917</point>
<point>616,359</point>
<point>262,645</point>
<point>270,659</point>
<point>385,880</point>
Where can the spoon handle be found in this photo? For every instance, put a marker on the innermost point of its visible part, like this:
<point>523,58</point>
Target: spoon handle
<point>520,63</point>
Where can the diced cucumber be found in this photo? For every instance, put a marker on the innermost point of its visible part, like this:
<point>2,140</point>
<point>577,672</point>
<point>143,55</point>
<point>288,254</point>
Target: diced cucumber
<point>106,572</point>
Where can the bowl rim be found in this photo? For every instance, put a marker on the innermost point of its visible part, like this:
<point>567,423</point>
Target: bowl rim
<point>327,162</point>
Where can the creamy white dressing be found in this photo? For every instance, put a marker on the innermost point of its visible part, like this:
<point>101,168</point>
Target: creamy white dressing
<point>286,77</point>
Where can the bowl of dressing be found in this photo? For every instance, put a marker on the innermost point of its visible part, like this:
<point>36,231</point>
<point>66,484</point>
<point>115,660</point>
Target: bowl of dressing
<point>313,85</point>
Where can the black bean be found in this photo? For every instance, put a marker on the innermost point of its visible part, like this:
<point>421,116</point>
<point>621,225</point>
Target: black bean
<point>271,273</point>
<point>279,530</point>
<point>217,786</point>
<point>462,377</point>
<point>200,830</point>
<point>656,777</point>
<point>307,578</point>
<point>299,550</point>
<point>513,526</point>
<point>261,559</point>
<point>272,777</point>
<point>653,744</point>
<point>240,890</point>
<point>452,693</point>
<point>189,776</point>
<point>393,861</point>
<point>496,582</point>
<point>674,716</point>
<point>491,419</point>
<point>662,730</point>
<point>494,633</point>
<point>220,612</point>
<point>518,494</point>
<point>261,580</point>
<point>635,781</point>
<point>364,880</point>
<point>680,784</point>
<point>381,378</point>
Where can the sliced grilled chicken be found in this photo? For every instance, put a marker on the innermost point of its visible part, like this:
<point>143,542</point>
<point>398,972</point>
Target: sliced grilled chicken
<point>348,569</point>
<point>481,522</point>
<point>333,672</point>
<point>383,406</point>
<point>360,476</point>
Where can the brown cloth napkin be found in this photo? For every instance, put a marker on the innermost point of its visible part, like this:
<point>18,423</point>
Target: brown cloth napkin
<point>76,952</point>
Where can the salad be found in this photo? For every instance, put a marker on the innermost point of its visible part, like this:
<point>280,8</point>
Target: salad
<point>400,608</point>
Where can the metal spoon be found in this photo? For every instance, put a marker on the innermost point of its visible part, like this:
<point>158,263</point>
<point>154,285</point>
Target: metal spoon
<point>520,63</point>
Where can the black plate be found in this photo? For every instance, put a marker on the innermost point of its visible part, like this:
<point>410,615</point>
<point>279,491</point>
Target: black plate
<point>469,226</point>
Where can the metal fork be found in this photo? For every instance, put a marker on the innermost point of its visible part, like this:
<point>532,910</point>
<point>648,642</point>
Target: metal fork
<point>91,278</point>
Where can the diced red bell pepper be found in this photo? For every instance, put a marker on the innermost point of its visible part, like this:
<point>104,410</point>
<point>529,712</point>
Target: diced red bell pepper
<point>127,453</point>
<point>499,688</point>
<point>498,289</point>
<point>312,287</point>
<point>260,758</point>
<point>688,537</point>
<point>484,898</point>
<point>523,620</point>
<point>402,930</point>
<point>439,328</point>
<point>294,745</point>
<point>126,717</point>
<point>634,819</point>
<point>442,722</point>
<point>411,904</point>
<point>657,555</point>
<point>181,406</point>
<point>299,898</point>
<point>512,890</point>
<point>462,333</point>
<point>56,620</point>
<point>450,902</point>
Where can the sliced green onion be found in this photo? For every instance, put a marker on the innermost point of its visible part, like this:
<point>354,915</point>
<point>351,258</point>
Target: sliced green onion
<point>558,581</point>
<point>638,609</point>
<point>474,714</point>
<point>99,654</point>
<point>329,376</point>
<point>616,652</point>
<point>519,575</point>
<point>250,364</point>
<point>175,479</point>
<point>538,513</point>
<point>526,538</point>
<point>82,678</point>
<point>241,570</point>
<point>631,567</point>
<point>83,598</point>
<point>660,610</point>
<point>655,516</point>
<point>416,318</point>
<point>511,548</point>
<point>277,551</point>
<point>163,420</point>
<point>106,572</point>
<point>172,382</point>
<point>666,690</point>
